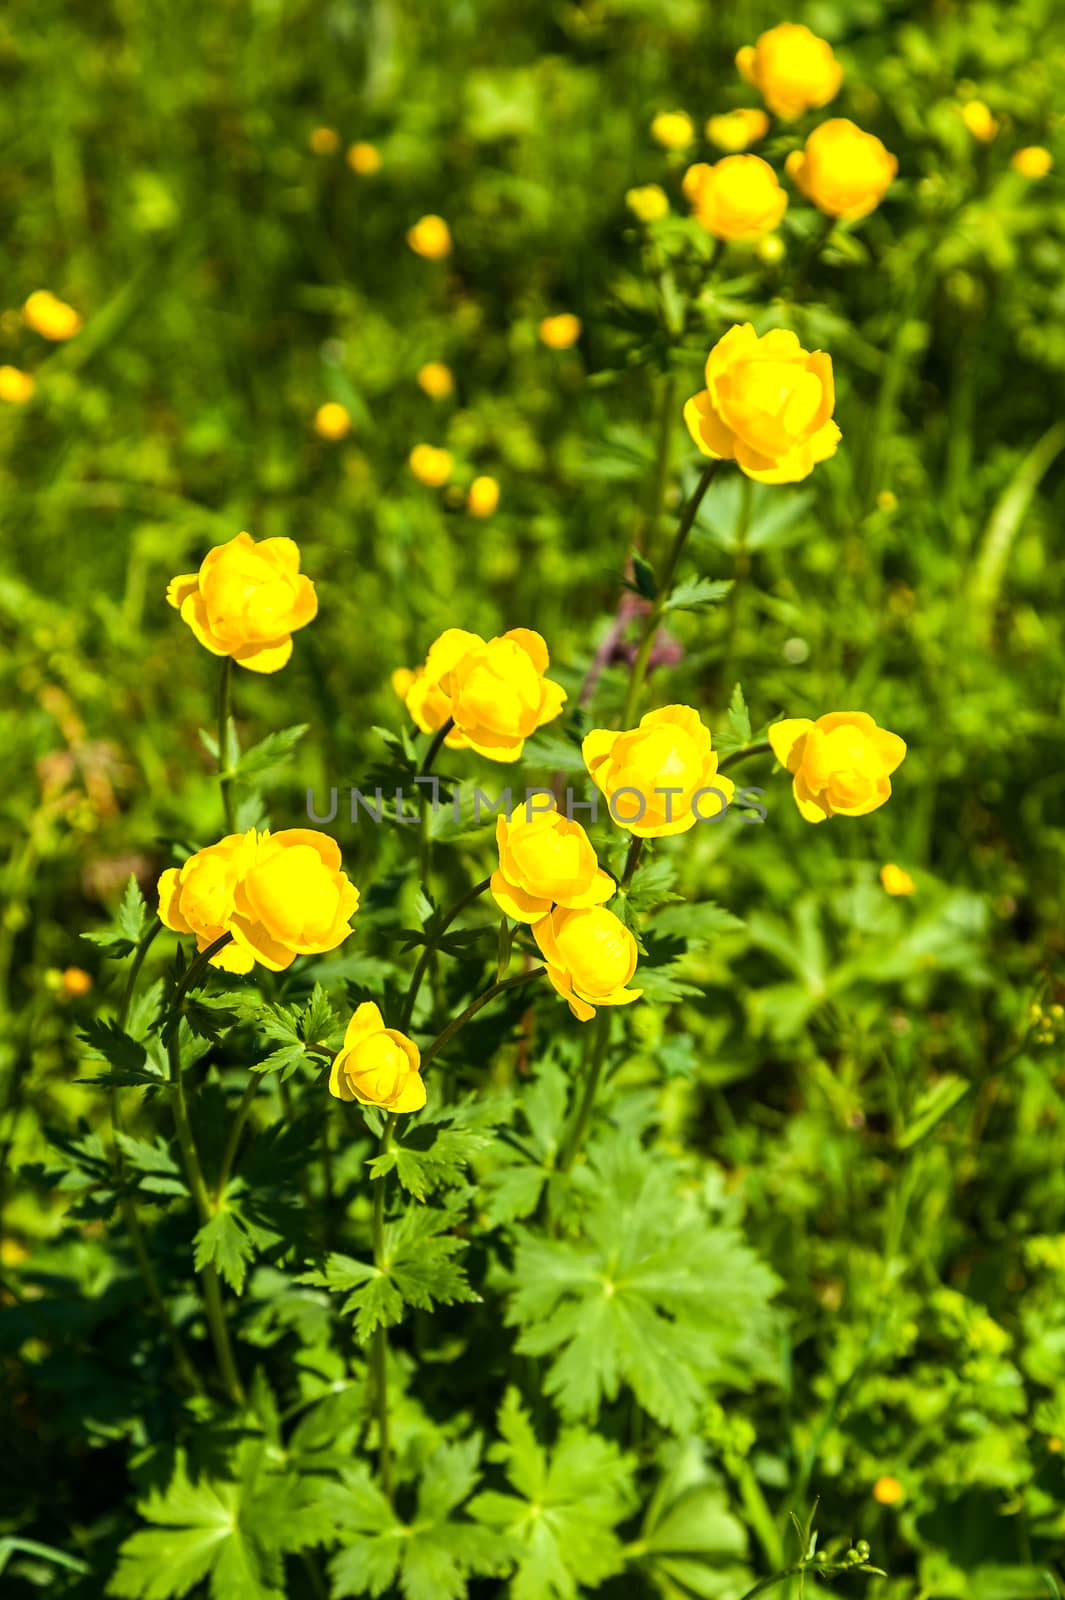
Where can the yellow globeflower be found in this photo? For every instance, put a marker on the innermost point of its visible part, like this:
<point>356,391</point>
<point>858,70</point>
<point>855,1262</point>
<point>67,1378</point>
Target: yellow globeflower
<point>76,982</point>
<point>483,497</point>
<point>495,690</point>
<point>16,387</point>
<point>560,332</point>
<point>430,237</point>
<point>845,172</point>
<point>377,1066</point>
<point>767,405</point>
<point>979,120</point>
<point>674,130</point>
<point>200,897</point>
<point>740,197</point>
<point>660,778</point>
<point>792,68</point>
<point>590,956</point>
<point>324,141</point>
<point>735,131</point>
<point>1031,162</point>
<point>247,600</point>
<point>649,202</point>
<point>896,880</point>
<point>887,1491</point>
<point>430,465</point>
<point>50,317</point>
<point>364,158</point>
<point>435,380</point>
<point>332,421</point>
<point>544,860</point>
<point>842,763</point>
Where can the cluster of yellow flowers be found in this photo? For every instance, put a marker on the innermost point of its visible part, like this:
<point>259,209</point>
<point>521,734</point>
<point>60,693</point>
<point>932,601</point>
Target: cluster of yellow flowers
<point>494,691</point>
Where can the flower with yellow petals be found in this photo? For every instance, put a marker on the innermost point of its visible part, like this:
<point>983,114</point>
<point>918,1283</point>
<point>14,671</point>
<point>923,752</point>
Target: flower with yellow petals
<point>560,332</point>
<point>660,778</point>
<point>247,600</point>
<point>483,497</point>
<point>430,465</point>
<point>544,860</point>
<point>364,159</point>
<point>739,197</point>
<point>845,172</point>
<point>16,387</point>
<point>649,202</point>
<point>332,421</point>
<point>896,880</point>
<point>980,121</point>
<point>840,764</point>
<point>50,317</point>
<point>591,958</point>
<point>735,131</point>
<point>673,130</point>
<point>1032,162</point>
<point>377,1066</point>
<point>793,69</point>
<point>435,380</point>
<point>430,237</point>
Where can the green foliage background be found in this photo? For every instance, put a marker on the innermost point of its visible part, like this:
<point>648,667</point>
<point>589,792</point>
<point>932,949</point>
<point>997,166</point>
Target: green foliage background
<point>818,1237</point>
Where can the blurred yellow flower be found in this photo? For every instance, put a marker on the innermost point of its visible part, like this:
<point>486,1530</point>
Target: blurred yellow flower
<point>76,982</point>
<point>247,600</point>
<point>770,249</point>
<point>649,202</point>
<point>435,380</point>
<point>430,465</point>
<point>51,318</point>
<point>590,956</point>
<point>1031,162</point>
<point>560,332</point>
<point>767,405</point>
<point>16,387</point>
<point>739,197</point>
<point>544,860</point>
<point>364,158</point>
<point>430,237</point>
<point>495,690</point>
<point>735,131</point>
<point>845,172</point>
<point>483,497</point>
<point>896,880</point>
<point>887,1491</point>
<point>792,68</point>
<point>332,421</point>
<point>377,1066</point>
<point>324,141</point>
<point>842,763</point>
<point>674,130</point>
<point>979,120</point>
<point>887,500</point>
<point>660,778</point>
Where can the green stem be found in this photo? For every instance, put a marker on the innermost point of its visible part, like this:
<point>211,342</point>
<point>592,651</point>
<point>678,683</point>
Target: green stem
<point>434,749</point>
<point>822,1569</point>
<point>592,1075</point>
<point>229,1155</point>
<point>379,1347</point>
<point>733,760</point>
<point>632,861</point>
<point>740,571</point>
<point>667,419</point>
<point>444,1039</point>
<point>432,944</point>
<point>225,777</point>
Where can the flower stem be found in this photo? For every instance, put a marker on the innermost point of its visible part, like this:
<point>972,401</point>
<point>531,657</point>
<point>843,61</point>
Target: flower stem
<point>667,418</point>
<point>592,1074</point>
<point>379,1346</point>
<point>632,861</point>
<point>430,947</point>
<point>434,749</point>
<point>444,1039</point>
<point>733,760</point>
<point>225,776</point>
<point>229,1155</point>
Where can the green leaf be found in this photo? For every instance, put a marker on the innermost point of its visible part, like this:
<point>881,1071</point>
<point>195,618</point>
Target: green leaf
<point>643,573</point>
<point>128,1057</point>
<point>698,594</point>
<point>157,1170</point>
<point>264,759</point>
<point>295,1029</point>
<point>224,1243</point>
<point>932,1106</point>
<point>132,919</point>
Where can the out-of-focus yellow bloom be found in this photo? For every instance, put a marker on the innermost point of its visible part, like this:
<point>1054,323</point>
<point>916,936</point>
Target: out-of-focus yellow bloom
<point>887,500</point>
<point>735,131</point>
<point>76,982</point>
<point>674,130</point>
<point>841,763</point>
<point>435,380</point>
<point>430,237</point>
<point>979,120</point>
<point>50,317</point>
<point>495,691</point>
<point>1031,162</point>
<point>767,405</point>
<point>887,1491</point>
<point>561,332</point>
<point>739,197</point>
<point>896,880</point>
<point>770,249</point>
<point>16,387</point>
<point>364,158</point>
<point>591,957</point>
<point>12,1253</point>
<point>483,497</point>
<point>793,70</point>
<point>378,1066</point>
<point>649,202</point>
<point>845,172</point>
<point>247,600</point>
<point>332,421</point>
<point>430,465</point>
<point>545,860</point>
<point>324,141</point>
<point>660,778</point>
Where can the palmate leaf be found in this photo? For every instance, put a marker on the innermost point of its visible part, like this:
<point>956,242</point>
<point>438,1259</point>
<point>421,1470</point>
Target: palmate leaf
<point>294,1028</point>
<point>521,1166</point>
<point>129,926</point>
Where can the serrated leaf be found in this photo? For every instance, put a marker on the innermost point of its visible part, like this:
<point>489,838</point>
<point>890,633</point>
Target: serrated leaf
<point>132,918</point>
<point>223,1242</point>
<point>698,594</point>
<point>108,1042</point>
<point>265,758</point>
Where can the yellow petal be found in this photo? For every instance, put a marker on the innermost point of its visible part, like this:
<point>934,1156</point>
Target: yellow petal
<point>338,1082</point>
<point>412,1096</point>
<point>516,902</point>
<point>367,1019</point>
<point>264,657</point>
<point>179,589</point>
<point>783,736</point>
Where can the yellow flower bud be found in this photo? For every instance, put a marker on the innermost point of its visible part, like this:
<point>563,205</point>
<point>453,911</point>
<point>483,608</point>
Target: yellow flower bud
<point>483,497</point>
<point>660,778</point>
<point>247,600</point>
<point>16,387</point>
<point>430,465</point>
<point>649,202</point>
<point>1032,162</point>
<point>767,405</point>
<point>364,159</point>
<point>435,380</point>
<point>887,1491</point>
<point>495,690</point>
<point>51,318</point>
<point>674,130</point>
<point>430,237</point>
<point>377,1066</point>
<point>560,332</point>
<point>979,120</point>
<point>792,68</point>
<point>324,141</point>
<point>545,859</point>
<point>840,764</point>
<point>735,131</point>
<point>740,197</point>
<point>590,956</point>
<point>770,249</point>
<point>76,982</point>
<point>896,880</point>
<point>845,172</point>
<point>332,421</point>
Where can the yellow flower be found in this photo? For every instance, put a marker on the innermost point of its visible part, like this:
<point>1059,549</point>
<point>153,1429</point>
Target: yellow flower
<point>76,982</point>
<point>247,600</point>
<point>364,158</point>
<point>793,70</point>
<point>430,465</point>
<point>840,763</point>
<point>378,1066</point>
<point>499,694</point>
<point>430,237</point>
<point>845,172</point>
<point>483,497</point>
<point>1031,162</point>
<point>660,778</point>
<point>324,141</point>
<point>51,318</point>
<point>734,131</point>
<point>740,197</point>
<point>887,1491</point>
<point>590,955</point>
<point>16,387</point>
<point>979,120</point>
<point>770,249</point>
<point>767,405</point>
<point>200,897</point>
<point>435,380</point>
<point>561,332</point>
<point>674,130</point>
<point>895,880</point>
<point>648,202</point>
<point>332,421</point>
<point>544,860</point>
<point>420,689</point>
